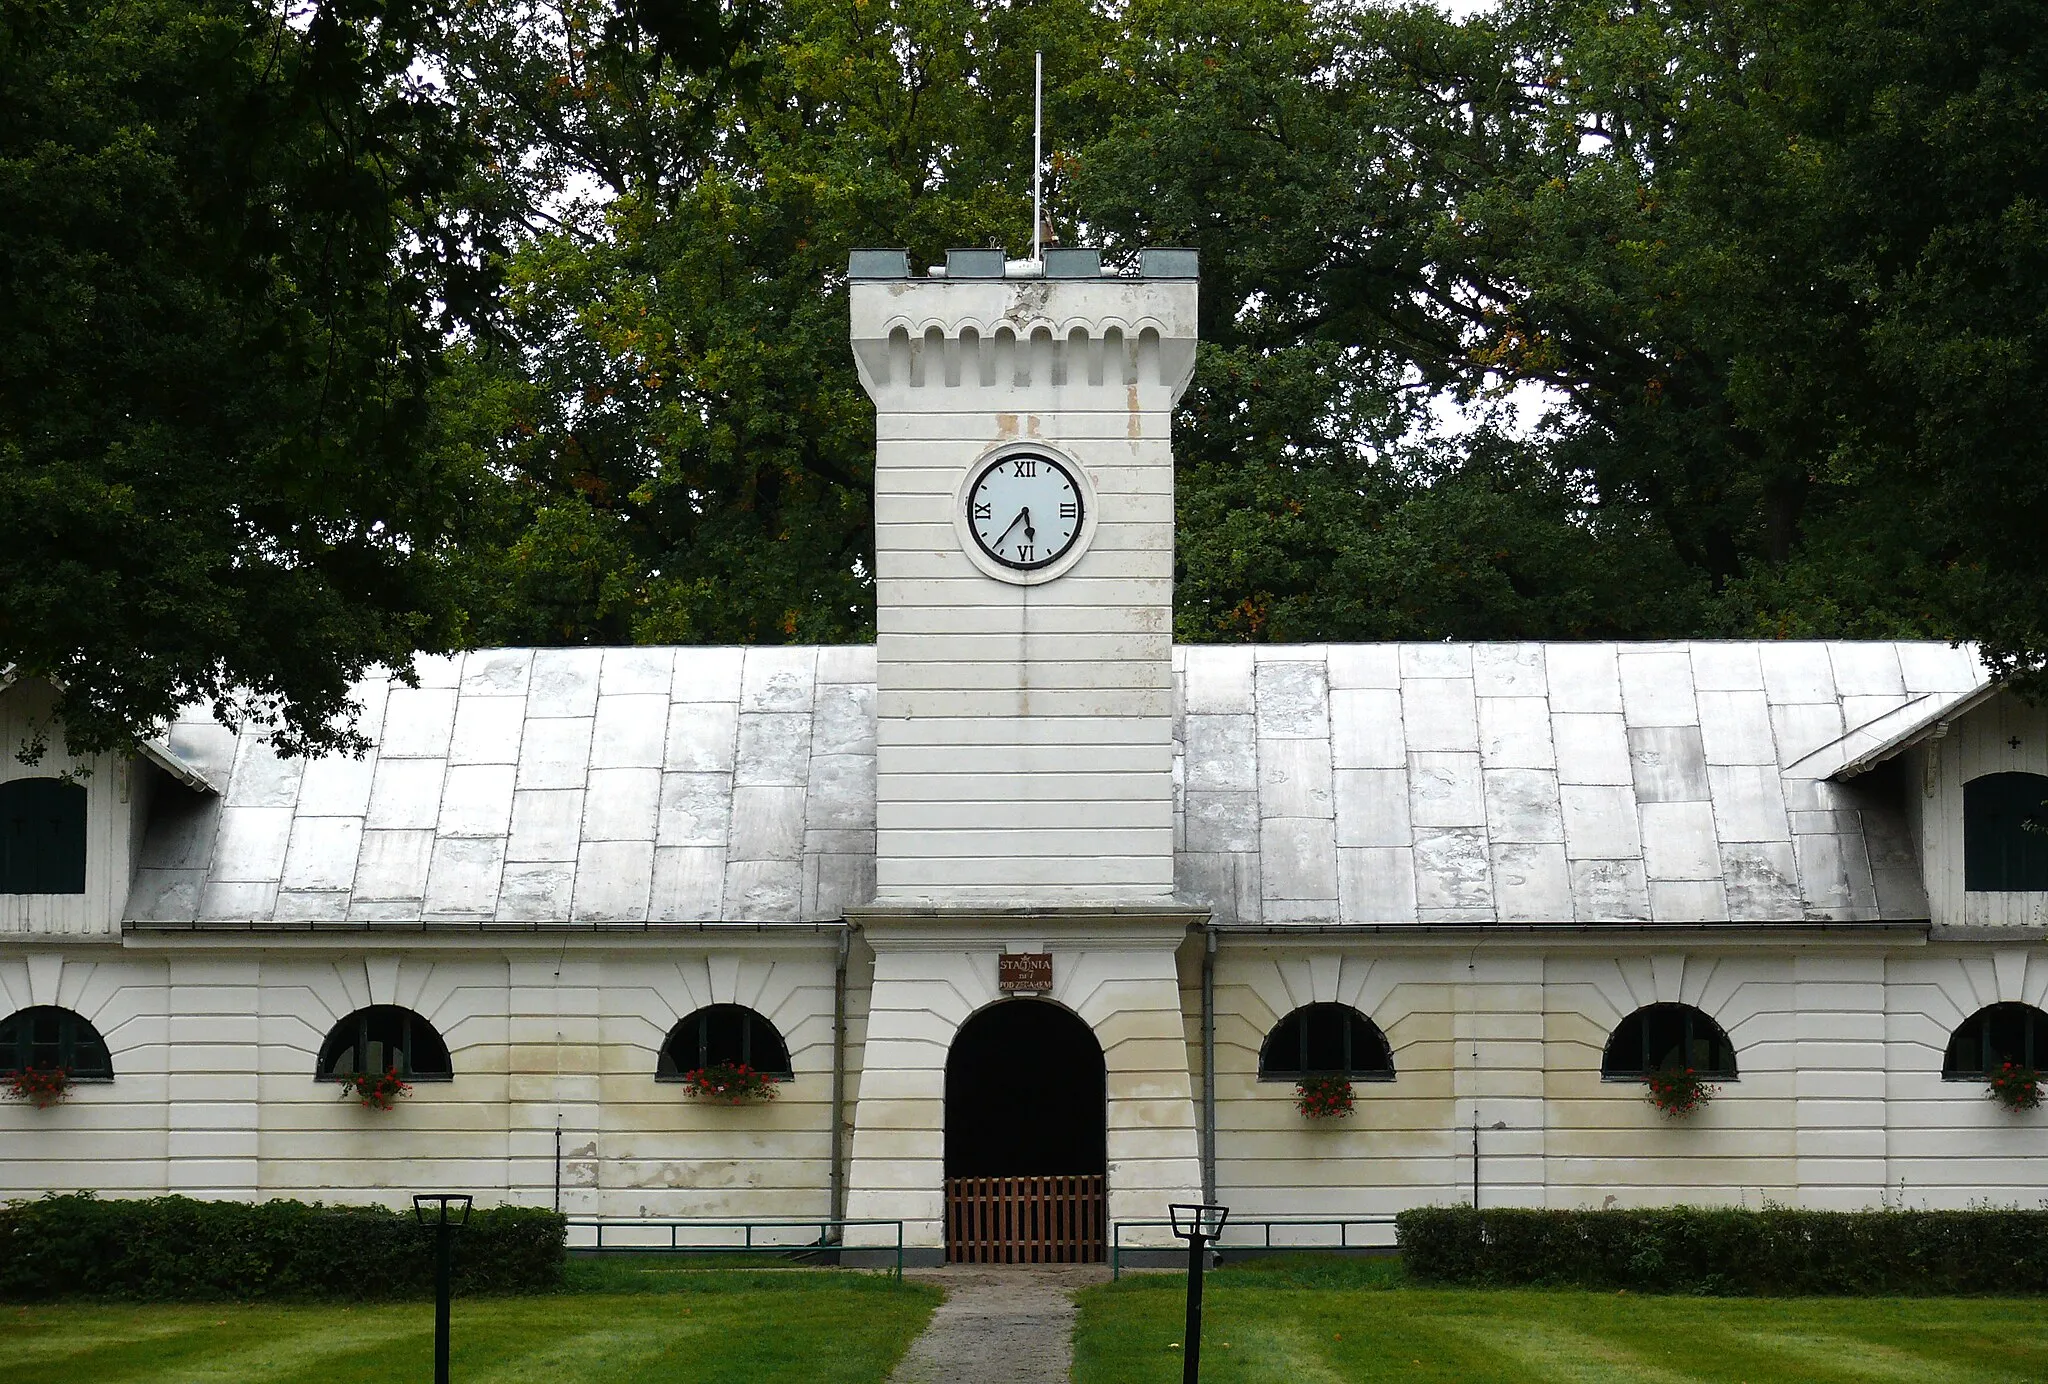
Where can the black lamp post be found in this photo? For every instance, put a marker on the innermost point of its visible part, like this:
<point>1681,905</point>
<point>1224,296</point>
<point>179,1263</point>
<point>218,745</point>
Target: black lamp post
<point>446,1212</point>
<point>1200,1226</point>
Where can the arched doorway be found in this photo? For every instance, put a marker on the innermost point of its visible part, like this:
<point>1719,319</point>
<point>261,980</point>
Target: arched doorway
<point>1027,1137</point>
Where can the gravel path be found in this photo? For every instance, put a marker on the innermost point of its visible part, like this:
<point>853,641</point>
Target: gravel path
<point>999,1324</point>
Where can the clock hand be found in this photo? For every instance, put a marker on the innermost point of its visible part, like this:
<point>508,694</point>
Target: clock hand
<point>1023,517</point>
<point>1030,534</point>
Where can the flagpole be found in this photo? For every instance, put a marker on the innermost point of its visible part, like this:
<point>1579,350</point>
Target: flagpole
<point>1037,156</point>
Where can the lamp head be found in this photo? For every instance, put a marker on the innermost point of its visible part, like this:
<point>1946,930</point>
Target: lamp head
<point>442,1208</point>
<point>1201,1220</point>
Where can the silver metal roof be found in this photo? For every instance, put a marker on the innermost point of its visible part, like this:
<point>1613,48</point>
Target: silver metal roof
<point>1480,783</point>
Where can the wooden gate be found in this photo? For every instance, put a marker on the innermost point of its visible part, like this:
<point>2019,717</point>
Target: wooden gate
<point>1025,1220</point>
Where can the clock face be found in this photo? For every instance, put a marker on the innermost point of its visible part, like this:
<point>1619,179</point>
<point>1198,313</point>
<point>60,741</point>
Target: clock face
<point>1025,511</point>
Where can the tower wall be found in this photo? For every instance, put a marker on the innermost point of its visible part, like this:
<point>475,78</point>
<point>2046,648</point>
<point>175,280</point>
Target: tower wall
<point>1024,728</point>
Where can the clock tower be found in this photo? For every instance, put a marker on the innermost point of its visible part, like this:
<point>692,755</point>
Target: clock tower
<point>1024,573</point>
<point>1024,728</point>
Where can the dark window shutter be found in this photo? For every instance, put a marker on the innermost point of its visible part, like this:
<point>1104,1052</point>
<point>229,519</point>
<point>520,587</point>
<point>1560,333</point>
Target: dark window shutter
<point>42,837</point>
<point>2004,847</point>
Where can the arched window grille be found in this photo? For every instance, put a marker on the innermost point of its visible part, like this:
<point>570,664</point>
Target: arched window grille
<point>2005,833</point>
<point>1663,1037</point>
<point>1326,1040</point>
<point>1993,1036</point>
<point>45,1038</point>
<point>42,836</point>
<point>382,1038</point>
<point>723,1035</point>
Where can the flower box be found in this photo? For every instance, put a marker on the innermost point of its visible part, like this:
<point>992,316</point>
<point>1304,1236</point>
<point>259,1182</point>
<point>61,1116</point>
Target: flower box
<point>374,1090</point>
<point>41,1087</point>
<point>2016,1087</point>
<point>733,1083</point>
<point>1678,1091</point>
<point>1323,1097</point>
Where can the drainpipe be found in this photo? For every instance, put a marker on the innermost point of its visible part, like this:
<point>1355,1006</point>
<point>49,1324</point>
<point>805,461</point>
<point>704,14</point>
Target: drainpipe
<point>838,1173</point>
<point>1209,1065</point>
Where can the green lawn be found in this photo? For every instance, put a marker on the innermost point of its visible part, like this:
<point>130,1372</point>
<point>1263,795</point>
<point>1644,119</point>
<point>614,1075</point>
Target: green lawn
<point>1323,1321</point>
<point>624,1324</point>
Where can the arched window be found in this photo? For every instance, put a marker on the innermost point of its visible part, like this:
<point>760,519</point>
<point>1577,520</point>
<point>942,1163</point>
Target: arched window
<point>381,1038</point>
<point>44,1038</point>
<point>1326,1040</point>
<point>42,837</point>
<point>2005,832</point>
<point>723,1035</point>
<point>1660,1037</point>
<point>1994,1036</point>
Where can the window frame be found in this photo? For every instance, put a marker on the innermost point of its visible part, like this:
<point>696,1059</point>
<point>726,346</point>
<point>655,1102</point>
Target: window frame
<point>1354,1072</point>
<point>68,805</point>
<point>69,1035</point>
<point>331,1048</point>
<point>1995,813</point>
<point>2035,1041</point>
<point>1691,1012</point>
<point>668,1069</point>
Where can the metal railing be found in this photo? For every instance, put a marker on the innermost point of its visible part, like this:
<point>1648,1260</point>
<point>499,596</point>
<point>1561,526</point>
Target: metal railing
<point>1237,1235</point>
<point>768,1236</point>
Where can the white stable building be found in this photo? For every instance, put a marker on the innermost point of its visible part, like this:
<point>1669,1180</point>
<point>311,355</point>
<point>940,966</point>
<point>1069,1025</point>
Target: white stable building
<point>1489,883</point>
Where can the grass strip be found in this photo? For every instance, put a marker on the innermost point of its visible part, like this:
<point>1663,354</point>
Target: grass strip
<point>1324,1320</point>
<point>627,1323</point>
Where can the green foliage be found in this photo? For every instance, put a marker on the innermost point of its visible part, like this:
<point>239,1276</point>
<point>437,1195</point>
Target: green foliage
<point>1685,1249</point>
<point>1780,266</point>
<point>231,248</point>
<point>1311,160</point>
<point>1782,269</point>
<point>178,1248</point>
<point>671,404</point>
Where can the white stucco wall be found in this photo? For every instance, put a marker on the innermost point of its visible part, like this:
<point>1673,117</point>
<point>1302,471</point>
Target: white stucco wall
<point>1840,1101</point>
<point>214,1095</point>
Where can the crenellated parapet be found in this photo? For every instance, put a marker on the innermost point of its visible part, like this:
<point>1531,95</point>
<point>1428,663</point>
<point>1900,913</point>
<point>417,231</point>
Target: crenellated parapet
<point>1088,344</point>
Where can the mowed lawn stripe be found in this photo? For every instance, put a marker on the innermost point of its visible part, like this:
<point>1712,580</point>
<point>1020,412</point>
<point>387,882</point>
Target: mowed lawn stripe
<point>211,1344</point>
<point>1831,1355</point>
<point>818,1328</point>
<point>1309,1330</point>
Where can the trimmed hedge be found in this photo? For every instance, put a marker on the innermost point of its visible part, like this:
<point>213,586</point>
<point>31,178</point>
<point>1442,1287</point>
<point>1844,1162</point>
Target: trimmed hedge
<point>1685,1249</point>
<point>175,1247</point>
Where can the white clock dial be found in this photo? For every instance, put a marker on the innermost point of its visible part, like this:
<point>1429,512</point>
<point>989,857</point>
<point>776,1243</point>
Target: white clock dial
<point>1025,510</point>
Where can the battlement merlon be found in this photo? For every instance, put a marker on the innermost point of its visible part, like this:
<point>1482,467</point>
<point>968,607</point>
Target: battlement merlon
<point>1037,342</point>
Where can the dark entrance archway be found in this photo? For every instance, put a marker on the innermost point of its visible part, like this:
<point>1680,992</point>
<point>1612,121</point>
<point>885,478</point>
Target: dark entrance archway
<point>1027,1137</point>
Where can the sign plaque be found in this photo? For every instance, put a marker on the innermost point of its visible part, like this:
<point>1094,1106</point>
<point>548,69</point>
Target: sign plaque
<point>1024,971</point>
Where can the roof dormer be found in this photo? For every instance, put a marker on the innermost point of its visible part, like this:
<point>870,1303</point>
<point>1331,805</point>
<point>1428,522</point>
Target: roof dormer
<point>71,826</point>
